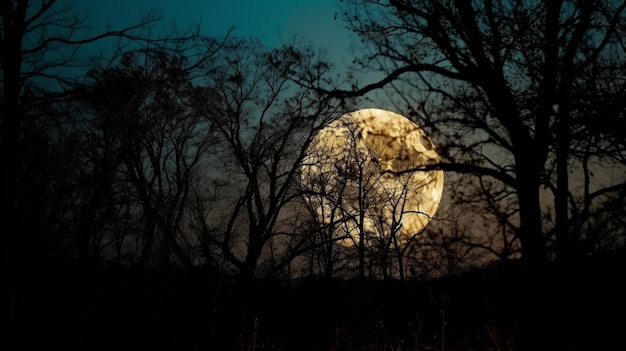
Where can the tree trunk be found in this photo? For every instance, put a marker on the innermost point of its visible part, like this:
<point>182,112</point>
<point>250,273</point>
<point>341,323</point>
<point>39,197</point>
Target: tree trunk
<point>361,248</point>
<point>530,233</point>
<point>13,246</point>
<point>146,251</point>
<point>248,267</point>
<point>529,157</point>
<point>563,242</point>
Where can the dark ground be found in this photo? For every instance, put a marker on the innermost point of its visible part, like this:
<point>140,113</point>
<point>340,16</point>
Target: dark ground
<point>580,307</point>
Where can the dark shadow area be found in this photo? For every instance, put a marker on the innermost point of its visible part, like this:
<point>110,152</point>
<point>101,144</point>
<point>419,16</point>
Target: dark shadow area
<point>503,307</point>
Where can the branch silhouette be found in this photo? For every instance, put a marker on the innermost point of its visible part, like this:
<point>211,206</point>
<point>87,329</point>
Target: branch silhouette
<point>460,168</point>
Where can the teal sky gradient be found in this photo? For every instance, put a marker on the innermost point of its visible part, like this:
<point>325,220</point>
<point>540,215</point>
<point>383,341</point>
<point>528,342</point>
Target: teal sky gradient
<point>271,21</point>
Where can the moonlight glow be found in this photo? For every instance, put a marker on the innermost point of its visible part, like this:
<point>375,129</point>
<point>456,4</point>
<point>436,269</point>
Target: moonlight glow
<point>361,169</point>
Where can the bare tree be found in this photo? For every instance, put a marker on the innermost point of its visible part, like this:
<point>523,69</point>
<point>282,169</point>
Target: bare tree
<point>342,178</point>
<point>160,143</point>
<point>336,178</point>
<point>361,188</point>
<point>265,123</point>
<point>504,80</point>
<point>41,52</point>
<point>389,214</point>
<point>323,194</point>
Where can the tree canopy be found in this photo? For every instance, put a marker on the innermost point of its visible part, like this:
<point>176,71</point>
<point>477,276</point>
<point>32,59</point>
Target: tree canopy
<point>518,93</point>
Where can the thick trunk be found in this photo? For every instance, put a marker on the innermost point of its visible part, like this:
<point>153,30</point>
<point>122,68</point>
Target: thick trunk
<point>530,231</point>
<point>170,236</point>
<point>563,240</point>
<point>84,232</point>
<point>384,261</point>
<point>13,240</point>
<point>361,248</point>
<point>148,244</point>
<point>400,260</point>
<point>530,155</point>
<point>329,267</point>
<point>248,267</point>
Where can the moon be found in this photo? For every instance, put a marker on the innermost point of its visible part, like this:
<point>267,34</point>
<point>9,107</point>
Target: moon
<point>360,173</point>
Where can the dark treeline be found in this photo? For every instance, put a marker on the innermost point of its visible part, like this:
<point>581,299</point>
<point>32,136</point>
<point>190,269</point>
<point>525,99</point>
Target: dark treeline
<point>501,307</point>
<point>151,195</point>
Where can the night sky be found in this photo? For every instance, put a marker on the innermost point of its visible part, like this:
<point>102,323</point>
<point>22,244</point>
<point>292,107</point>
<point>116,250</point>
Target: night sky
<point>86,164</point>
<point>272,21</point>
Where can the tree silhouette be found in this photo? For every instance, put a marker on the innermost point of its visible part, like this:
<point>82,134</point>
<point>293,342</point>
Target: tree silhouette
<point>42,48</point>
<point>323,197</point>
<point>356,200</point>
<point>513,86</point>
<point>343,179</point>
<point>265,123</point>
<point>388,214</point>
<point>161,143</point>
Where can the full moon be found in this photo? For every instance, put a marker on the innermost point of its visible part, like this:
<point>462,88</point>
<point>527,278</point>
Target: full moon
<point>361,173</point>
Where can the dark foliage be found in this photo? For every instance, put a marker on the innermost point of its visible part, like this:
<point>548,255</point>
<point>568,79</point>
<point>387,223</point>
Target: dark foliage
<point>507,307</point>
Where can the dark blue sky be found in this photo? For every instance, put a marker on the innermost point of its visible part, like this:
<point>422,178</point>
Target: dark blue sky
<point>316,22</point>
<point>269,20</point>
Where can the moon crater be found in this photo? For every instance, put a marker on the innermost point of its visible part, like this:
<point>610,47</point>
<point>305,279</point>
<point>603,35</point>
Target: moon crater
<point>363,167</point>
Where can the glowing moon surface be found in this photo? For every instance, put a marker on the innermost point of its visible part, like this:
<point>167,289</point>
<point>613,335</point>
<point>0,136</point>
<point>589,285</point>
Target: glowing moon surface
<point>360,174</point>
